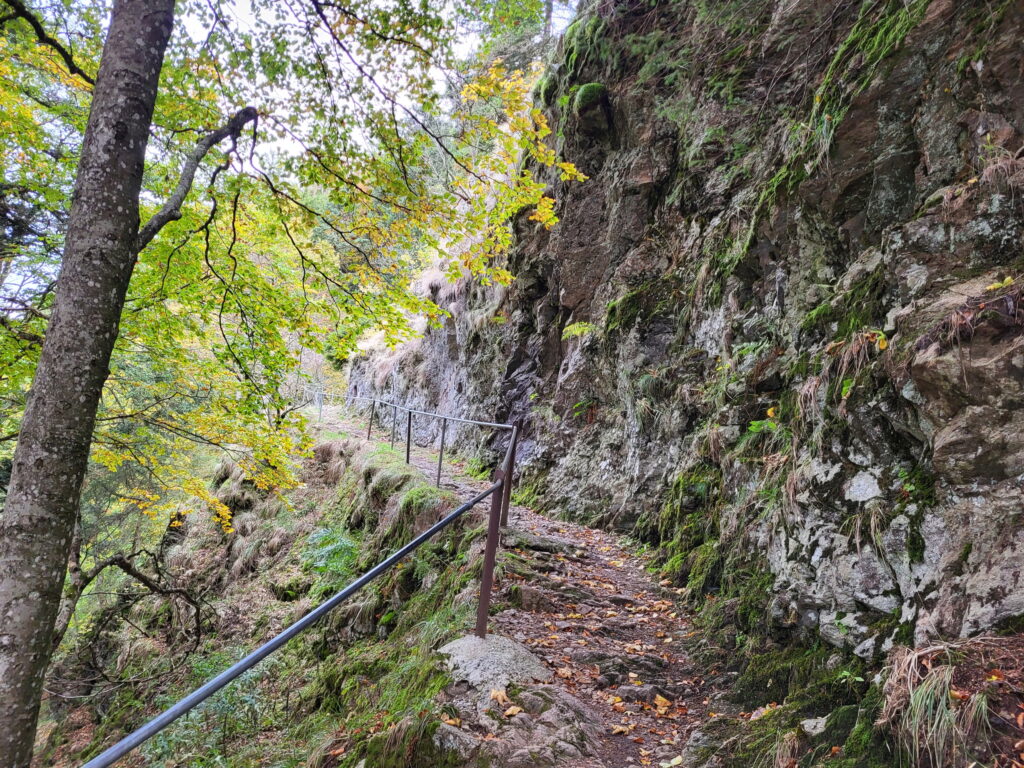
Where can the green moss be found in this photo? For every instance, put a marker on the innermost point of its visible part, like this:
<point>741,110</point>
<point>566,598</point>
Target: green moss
<point>477,468</point>
<point>585,44</point>
<point>290,589</point>
<point>587,96</point>
<point>423,499</point>
<point>752,592</point>
<point>860,307</point>
<point>915,540</point>
<point>705,565</point>
<point>878,32</point>
<point>865,746</point>
<point>527,494</point>
<point>546,89</point>
<point>687,521</point>
<point>651,299</point>
<point>623,312</point>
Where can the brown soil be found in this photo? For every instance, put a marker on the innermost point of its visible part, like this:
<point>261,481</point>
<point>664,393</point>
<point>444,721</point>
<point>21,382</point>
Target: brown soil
<point>612,635</point>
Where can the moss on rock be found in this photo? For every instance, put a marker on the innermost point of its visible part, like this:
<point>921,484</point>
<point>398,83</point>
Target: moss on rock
<point>587,96</point>
<point>546,89</point>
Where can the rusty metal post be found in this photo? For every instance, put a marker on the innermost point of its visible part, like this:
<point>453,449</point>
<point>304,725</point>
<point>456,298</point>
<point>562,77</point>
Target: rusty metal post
<point>440,456</point>
<point>483,609</point>
<point>394,424</point>
<point>506,500</point>
<point>408,436</point>
<point>369,427</point>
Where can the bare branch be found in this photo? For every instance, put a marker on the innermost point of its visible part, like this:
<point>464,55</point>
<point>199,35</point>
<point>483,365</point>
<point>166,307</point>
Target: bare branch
<point>171,210</point>
<point>21,11</point>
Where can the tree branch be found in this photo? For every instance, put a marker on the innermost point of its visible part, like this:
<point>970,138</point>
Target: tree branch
<point>171,210</point>
<point>22,12</point>
<point>27,336</point>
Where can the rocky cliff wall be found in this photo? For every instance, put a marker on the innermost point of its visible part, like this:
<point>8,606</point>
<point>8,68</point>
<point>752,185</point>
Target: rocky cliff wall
<point>776,334</point>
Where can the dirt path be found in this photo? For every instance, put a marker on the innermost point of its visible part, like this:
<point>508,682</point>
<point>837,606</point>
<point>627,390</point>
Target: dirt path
<point>592,612</point>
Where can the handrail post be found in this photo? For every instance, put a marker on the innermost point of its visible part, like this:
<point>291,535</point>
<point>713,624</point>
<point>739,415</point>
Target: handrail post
<point>509,474</point>
<point>440,455</point>
<point>483,609</point>
<point>408,436</point>
<point>369,427</point>
<point>394,424</point>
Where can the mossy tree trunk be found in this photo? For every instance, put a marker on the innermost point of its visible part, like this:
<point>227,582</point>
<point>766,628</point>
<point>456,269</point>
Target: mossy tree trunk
<point>53,446</point>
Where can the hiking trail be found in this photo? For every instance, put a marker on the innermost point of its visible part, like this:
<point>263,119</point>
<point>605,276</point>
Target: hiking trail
<point>586,606</point>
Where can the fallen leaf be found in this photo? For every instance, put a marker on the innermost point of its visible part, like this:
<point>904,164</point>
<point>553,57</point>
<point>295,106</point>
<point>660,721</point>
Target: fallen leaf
<point>499,695</point>
<point>513,711</point>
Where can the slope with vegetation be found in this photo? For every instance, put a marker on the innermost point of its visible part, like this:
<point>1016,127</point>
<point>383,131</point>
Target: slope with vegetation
<point>595,672</point>
<point>201,200</point>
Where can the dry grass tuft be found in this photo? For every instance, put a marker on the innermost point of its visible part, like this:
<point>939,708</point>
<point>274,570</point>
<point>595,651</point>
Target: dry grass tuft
<point>943,701</point>
<point>333,458</point>
<point>788,751</point>
<point>1002,307</point>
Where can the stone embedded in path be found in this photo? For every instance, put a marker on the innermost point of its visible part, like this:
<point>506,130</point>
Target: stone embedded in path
<point>493,662</point>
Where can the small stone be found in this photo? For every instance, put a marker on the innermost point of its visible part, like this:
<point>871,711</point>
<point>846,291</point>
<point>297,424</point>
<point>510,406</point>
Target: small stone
<point>863,487</point>
<point>813,726</point>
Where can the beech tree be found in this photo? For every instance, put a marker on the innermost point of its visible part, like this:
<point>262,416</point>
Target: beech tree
<point>103,239</point>
<point>320,232</point>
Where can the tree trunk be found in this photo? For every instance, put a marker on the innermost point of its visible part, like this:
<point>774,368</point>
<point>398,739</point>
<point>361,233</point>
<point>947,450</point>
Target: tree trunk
<point>53,447</point>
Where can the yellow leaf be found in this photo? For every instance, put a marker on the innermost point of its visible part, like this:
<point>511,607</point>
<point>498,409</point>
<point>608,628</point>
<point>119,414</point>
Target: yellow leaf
<point>513,711</point>
<point>1006,283</point>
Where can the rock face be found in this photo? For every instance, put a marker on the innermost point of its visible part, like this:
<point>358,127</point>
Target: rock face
<point>777,331</point>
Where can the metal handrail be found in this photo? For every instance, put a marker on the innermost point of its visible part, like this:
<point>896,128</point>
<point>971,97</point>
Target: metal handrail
<point>500,493</point>
<point>492,424</point>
